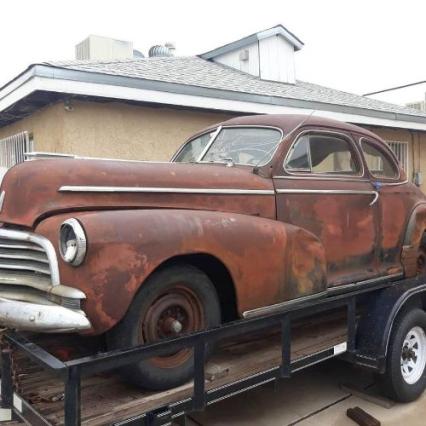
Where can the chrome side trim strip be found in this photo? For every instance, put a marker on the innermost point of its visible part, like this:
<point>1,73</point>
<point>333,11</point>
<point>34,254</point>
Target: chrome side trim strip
<point>353,286</point>
<point>164,190</point>
<point>326,191</point>
<point>41,241</point>
<point>330,191</point>
<point>317,177</point>
<point>277,307</point>
<point>41,155</point>
<point>393,184</point>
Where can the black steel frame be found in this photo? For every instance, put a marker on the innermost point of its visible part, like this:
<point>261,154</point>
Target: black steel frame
<point>71,372</point>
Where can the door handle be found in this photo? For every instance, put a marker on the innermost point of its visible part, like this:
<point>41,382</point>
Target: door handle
<point>376,197</point>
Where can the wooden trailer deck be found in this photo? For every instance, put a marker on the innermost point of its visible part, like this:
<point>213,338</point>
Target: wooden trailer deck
<point>106,399</point>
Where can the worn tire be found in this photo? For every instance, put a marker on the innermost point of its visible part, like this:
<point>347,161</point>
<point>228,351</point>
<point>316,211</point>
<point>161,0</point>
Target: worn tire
<point>393,383</point>
<point>164,288</point>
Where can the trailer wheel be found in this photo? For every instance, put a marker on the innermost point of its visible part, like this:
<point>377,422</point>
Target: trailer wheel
<point>177,300</point>
<point>405,377</point>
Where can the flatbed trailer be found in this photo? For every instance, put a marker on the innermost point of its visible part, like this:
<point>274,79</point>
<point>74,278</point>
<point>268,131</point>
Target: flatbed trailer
<point>39,388</point>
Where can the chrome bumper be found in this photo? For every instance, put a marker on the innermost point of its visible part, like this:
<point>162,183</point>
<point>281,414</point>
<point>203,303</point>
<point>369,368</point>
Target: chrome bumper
<point>41,318</point>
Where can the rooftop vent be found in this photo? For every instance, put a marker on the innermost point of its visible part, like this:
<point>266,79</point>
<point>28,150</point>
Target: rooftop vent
<point>158,50</point>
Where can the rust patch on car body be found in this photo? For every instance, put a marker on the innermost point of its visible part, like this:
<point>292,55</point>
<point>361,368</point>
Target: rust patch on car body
<point>268,261</point>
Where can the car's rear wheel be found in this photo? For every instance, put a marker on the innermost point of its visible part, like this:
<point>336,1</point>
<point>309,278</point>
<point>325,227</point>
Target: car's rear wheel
<point>176,300</point>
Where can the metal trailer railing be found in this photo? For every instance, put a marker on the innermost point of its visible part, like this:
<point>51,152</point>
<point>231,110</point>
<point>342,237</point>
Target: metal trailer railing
<point>71,372</point>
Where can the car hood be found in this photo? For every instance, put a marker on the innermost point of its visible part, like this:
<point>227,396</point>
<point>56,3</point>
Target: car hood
<point>41,188</point>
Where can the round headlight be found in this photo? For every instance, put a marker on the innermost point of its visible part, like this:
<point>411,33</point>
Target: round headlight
<point>72,242</point>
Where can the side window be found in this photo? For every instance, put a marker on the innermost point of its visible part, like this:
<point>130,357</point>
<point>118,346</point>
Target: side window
<point>298,160</point>
<point>379,164</point>
<point>323,154</point>
<point>193,149</point>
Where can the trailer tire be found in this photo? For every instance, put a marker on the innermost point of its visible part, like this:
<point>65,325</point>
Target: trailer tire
<point>405,376</point>
<point>174,301</point>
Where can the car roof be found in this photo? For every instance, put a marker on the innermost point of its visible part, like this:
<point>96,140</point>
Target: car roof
<point>287,122</point>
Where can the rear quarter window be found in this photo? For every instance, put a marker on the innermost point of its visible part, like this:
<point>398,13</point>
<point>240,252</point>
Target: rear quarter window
<point>379,162</point>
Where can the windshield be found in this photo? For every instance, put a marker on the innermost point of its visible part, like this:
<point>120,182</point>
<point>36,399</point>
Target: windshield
<point>241,145</point>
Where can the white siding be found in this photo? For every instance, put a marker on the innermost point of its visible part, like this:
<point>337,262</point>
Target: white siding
<point>271,58</point>
<point>277,60</point>
<point>250,66</point>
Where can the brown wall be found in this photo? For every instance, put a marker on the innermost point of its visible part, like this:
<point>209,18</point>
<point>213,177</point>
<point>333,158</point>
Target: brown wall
<point>114,130</point>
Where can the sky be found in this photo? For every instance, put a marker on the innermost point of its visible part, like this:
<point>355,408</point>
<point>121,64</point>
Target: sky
<point>354,45</point>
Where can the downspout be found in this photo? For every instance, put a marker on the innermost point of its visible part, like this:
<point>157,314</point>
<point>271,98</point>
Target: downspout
<point>417,172</point>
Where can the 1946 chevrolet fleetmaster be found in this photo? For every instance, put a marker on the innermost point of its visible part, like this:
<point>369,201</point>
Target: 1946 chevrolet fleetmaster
<point>250,215</point>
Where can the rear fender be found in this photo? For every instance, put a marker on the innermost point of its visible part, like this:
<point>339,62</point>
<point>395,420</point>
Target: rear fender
<point>413,239</point>
<point>269,261</point>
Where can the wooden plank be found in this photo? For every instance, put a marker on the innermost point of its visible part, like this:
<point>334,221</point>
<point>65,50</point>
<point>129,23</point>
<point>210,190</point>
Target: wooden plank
<point>106,398</point>
<point>361,417</point>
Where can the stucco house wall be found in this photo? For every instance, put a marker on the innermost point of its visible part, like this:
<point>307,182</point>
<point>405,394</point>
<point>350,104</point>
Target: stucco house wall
<point>114,130</point>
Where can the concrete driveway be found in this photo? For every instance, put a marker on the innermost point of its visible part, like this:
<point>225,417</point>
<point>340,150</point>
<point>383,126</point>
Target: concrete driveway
<point>312,397</point>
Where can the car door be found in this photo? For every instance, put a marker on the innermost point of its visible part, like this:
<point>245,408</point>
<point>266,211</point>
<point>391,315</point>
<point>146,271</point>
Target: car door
<point>324,189</point>
<point>394,203</point>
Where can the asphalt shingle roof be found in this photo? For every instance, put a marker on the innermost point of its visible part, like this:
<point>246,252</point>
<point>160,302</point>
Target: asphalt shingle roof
<point>198,72</point>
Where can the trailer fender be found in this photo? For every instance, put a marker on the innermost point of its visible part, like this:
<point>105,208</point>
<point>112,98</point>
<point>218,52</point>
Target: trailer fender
<point>378,317</point>
<point>268,261</point>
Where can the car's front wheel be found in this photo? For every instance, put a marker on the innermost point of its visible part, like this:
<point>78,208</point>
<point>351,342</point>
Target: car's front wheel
<point>176,300</point>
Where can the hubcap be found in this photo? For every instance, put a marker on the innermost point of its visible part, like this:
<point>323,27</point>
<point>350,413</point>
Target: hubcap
<point>413,355</point>
<point>175,312</point>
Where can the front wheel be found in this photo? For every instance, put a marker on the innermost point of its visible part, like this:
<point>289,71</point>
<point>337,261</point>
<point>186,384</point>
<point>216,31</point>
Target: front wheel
<point>176,300</point>
<point>405,377</point>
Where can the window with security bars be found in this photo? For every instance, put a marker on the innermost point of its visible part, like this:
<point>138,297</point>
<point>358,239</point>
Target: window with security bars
<point>400,150</point>
<point>13,149</point>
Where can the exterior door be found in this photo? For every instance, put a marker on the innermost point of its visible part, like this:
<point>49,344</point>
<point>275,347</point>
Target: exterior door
<point>396,201</point>
<point>325,190</point>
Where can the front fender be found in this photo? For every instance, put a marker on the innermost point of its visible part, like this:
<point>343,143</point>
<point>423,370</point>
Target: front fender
<point>269,261</point>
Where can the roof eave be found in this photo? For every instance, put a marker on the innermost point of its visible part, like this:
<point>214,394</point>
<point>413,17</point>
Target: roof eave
<point>63,80</point>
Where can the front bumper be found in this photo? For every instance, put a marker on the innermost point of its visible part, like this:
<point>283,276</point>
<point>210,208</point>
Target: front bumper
<point>41,318</point>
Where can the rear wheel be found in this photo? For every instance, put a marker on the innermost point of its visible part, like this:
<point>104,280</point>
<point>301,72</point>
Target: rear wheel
<point>405,377</point>
<point>177,300</point>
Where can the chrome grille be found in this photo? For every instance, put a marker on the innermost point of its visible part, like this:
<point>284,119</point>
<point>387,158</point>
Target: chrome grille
<point>27,259</point>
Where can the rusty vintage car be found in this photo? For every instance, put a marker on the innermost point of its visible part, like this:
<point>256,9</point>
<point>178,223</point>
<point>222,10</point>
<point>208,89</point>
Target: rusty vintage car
<point>251,215</point>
